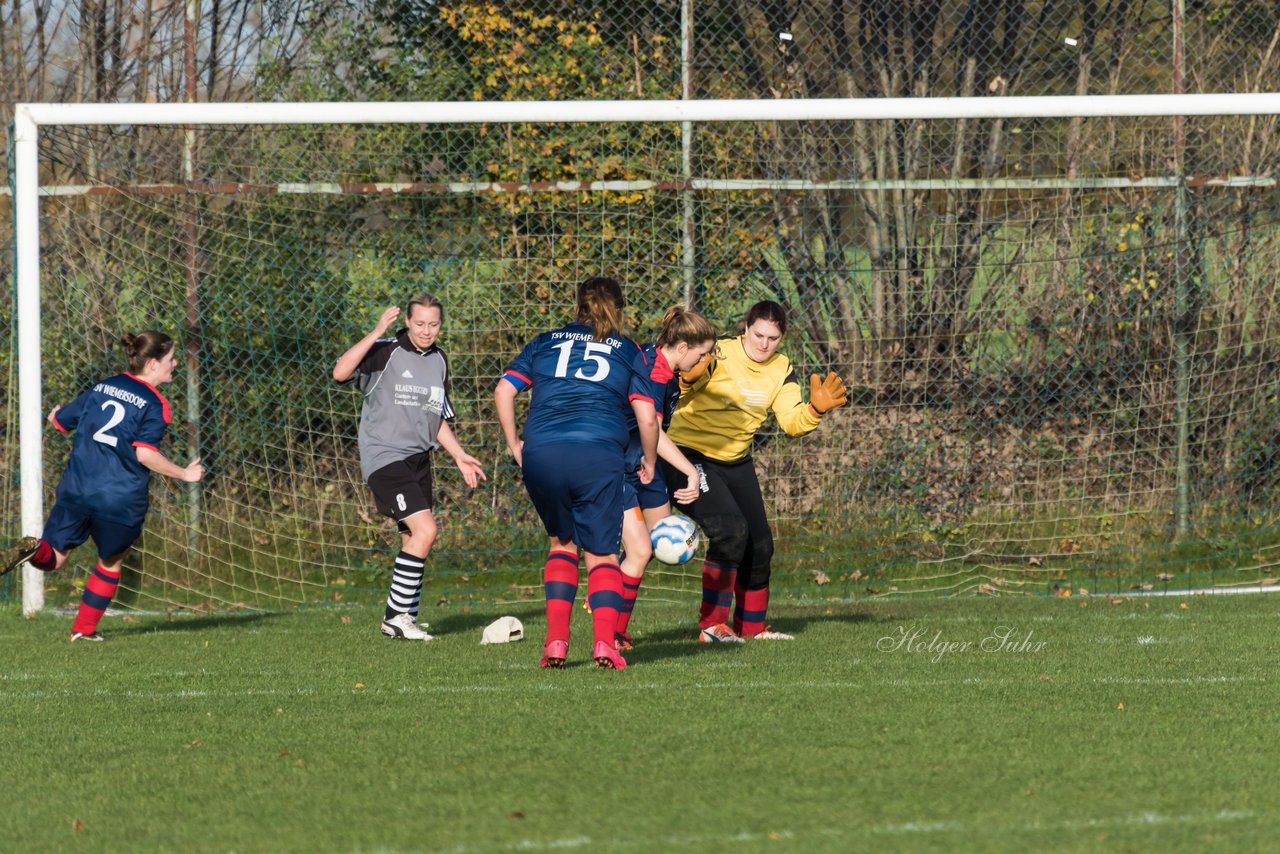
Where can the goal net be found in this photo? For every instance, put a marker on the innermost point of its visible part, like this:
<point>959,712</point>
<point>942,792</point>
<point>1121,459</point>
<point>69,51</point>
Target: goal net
<point>1057,318</point>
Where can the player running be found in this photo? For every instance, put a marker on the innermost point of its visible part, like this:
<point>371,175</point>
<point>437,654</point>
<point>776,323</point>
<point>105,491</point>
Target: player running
<point>724,401</point>
<point>405,416</point>
<point>583,376</point>
<point>118,424</point>
<point>684,337</point>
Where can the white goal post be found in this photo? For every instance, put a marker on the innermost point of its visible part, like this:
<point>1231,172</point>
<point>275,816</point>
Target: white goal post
<point>30,118</point>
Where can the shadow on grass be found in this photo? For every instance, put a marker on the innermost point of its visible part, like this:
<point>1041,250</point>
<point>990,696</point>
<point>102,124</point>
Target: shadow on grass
<point>668,643</point>
<point>192,624</point>
<point>476,619</point>
<point>796,619</point>
<point>682,641</point>
<point>653,649</point>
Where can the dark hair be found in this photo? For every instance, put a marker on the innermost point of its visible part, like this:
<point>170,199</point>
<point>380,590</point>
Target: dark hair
<point>682,324</point>
<point>600,305</point>
<point>426,301</point>
<point>766,310</point>
<point>143,347</point>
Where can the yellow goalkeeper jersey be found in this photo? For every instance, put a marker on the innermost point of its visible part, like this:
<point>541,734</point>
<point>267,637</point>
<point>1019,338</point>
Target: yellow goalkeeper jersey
<point>721,413</point>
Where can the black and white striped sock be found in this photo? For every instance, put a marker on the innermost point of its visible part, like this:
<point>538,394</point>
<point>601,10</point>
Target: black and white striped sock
<point>406,585</point>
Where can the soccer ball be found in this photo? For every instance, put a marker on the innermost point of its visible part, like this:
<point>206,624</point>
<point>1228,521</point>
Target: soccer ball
<point>675,539</point>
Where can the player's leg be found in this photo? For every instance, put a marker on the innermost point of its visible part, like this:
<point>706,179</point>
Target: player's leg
<point>19,553</point>
<point>417,535</point>
<point>637,550</point>
<point>599,494</point>
<point>35,550</point>
<point>113,541</point>
<point>545,473</point>
<point>654,506</point>
<point>751,590</point>
<point>402,491</point>
<point>560,585</point>
<point>63,531</point>
<point>716,512</point>
<point>654,515</point>
<point>604,591</point>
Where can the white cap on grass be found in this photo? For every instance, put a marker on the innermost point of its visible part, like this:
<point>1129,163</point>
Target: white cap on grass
<point>503,630</point>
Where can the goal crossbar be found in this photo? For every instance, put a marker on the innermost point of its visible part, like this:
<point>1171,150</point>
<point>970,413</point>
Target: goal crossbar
<point>724,110</point>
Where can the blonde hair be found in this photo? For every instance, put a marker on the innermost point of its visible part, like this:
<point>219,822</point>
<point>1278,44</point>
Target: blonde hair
<point>681,324</point>
<point>426,301</point>
<point>600,306</point>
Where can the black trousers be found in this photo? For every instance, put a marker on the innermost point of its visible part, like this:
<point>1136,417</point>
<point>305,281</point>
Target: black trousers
<point>730,511</point>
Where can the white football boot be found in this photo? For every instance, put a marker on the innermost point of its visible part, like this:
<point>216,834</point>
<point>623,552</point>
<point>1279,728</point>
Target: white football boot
<point>402,627</point>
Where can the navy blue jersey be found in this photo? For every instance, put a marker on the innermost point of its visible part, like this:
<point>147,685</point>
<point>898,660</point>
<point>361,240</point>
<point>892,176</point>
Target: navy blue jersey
<point>662,389</point>
<point>111,420</point>
<point>581,387</point>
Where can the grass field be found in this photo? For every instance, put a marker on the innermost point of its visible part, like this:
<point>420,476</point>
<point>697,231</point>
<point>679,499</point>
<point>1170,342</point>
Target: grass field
<point>1062,724</point>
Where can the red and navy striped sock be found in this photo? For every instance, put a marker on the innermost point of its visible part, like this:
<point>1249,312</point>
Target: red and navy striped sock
<point>750,611</point>
<point>98,591</point>
<point>630,589</point>
<point>717,592</point>
<point>604,595</point>
<point>560,582</point>
<point>44,558</point>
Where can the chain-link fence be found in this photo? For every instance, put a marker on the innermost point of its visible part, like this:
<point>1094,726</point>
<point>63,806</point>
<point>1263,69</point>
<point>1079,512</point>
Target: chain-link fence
<point>1063,353</point>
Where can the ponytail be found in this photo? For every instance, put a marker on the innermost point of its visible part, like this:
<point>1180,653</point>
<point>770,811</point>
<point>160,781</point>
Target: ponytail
<point>600,305</point>
<point>680,324</point>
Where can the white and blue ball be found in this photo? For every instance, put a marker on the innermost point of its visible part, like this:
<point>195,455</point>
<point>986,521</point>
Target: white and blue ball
<point>675,539</point>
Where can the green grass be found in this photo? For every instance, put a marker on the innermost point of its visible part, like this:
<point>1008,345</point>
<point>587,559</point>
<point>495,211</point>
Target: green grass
<point>1143,725</point>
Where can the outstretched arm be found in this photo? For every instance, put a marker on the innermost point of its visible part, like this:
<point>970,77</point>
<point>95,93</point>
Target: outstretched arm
<point>347,363</point>
<point>160,464</point>
<point>472,473</point>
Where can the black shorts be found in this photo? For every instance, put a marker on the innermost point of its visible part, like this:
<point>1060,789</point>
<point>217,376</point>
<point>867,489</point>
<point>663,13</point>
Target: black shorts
<point>404,488</point>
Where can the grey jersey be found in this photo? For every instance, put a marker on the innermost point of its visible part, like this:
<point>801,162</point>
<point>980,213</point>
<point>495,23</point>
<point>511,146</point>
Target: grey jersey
<point>405,399</point>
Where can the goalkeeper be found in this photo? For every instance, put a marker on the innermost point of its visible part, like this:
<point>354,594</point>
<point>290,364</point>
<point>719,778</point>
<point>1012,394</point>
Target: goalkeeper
<point>723,402</point>
<point>405,416</point>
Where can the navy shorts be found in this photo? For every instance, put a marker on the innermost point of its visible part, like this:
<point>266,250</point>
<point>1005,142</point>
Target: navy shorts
<point>651,494</point>
<point>578,493</point>
<point>68,527</point>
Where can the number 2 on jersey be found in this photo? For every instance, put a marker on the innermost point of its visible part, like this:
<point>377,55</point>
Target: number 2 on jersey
<point>595,352</point>
<point>117,415</point>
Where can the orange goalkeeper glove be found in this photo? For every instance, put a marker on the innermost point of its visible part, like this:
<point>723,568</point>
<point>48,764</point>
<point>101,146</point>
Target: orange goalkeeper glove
<point>701,367</point>
<point>826,394</point>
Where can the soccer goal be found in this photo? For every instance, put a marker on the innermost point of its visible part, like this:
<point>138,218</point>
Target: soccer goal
<point>1057,316</point>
